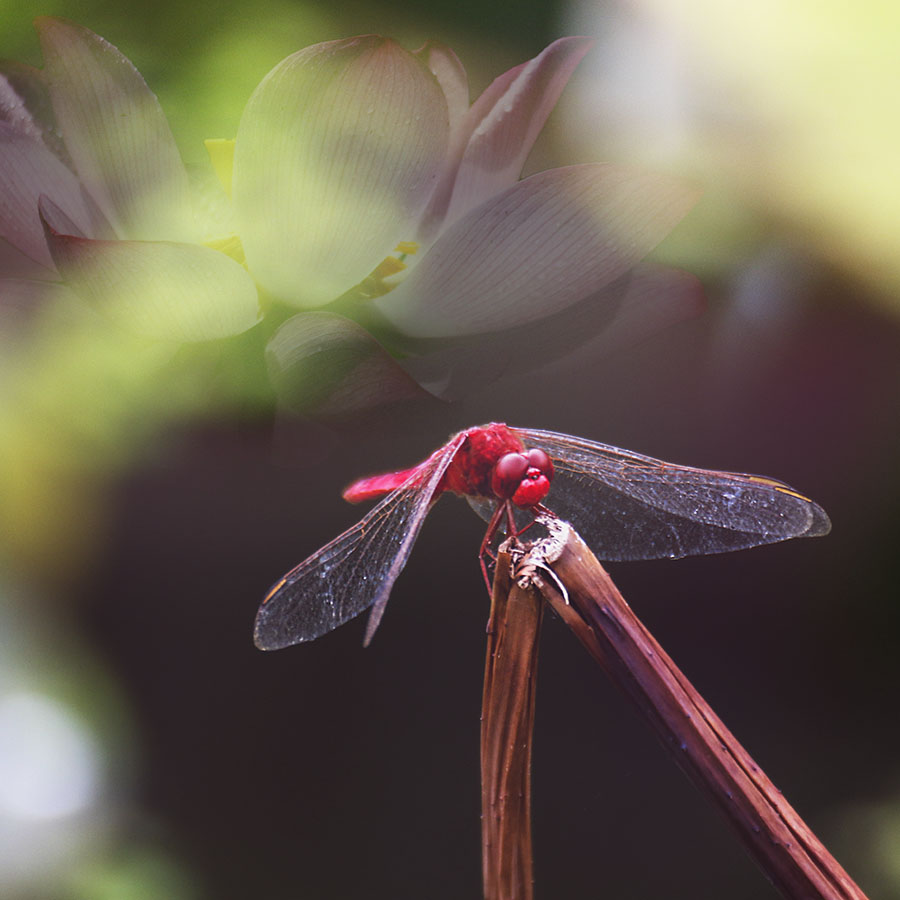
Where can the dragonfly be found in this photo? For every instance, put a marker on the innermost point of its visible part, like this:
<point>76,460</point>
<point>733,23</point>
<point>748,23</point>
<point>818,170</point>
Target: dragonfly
<point>626,506</point>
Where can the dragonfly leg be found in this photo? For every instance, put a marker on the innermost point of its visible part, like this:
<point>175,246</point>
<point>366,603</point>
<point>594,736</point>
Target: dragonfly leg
<point>537,508</point>
<point>485,549</point>
<point>487,578</point>
<point>525,528</point>
<point>511,529</point>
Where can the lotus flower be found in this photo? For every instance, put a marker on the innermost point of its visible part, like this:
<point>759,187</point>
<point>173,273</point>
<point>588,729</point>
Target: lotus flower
<point>365,185</point>
<point>366,192</point>
<point>94,199</point>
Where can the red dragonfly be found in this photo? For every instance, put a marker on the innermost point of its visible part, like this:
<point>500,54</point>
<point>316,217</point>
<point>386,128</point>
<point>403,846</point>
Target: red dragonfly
<point>626,507</point>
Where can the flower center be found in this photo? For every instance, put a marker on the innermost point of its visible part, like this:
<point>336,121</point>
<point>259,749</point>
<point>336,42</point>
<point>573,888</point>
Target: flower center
<point>221,155</point>
<point>375,284</point>
<point>230,245</point>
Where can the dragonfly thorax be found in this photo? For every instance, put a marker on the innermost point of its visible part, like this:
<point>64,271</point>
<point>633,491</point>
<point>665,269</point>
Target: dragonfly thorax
<point>472,467</point>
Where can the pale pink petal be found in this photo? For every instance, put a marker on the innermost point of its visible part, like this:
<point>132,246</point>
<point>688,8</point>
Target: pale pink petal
<point>161,289</point>
<point>27,170</point>
<point>501,129</point>
<point>55,218</point>
<point>16,264</point>
<point>25,105</point>
<point>22,300</point>
<point>636,305</point>
<point>324,365</point>
<point>657,298</point>
<point>435,214</point>
<point>454,82</point>
<point>24,102</point>
<point>337,152</point>
<point>116,134</point>
<point>537,248</point>
<point>444,64</point>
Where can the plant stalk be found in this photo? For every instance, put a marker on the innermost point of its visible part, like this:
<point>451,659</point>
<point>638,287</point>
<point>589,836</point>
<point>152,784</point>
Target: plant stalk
<point>507,722</point>
<point>792,857</point>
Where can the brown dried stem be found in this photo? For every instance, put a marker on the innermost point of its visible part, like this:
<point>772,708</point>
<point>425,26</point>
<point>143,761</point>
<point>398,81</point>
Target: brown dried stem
<point>507,722</point>
<point>778,839</point>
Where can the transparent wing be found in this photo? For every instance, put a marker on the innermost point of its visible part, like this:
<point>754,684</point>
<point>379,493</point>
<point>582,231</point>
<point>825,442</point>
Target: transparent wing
<point>357,569</point>
<point>628,506</point>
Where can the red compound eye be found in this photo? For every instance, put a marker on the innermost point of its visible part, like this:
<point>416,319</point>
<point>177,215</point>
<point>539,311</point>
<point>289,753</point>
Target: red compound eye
<point>541,461</point>
<point>508,474</point>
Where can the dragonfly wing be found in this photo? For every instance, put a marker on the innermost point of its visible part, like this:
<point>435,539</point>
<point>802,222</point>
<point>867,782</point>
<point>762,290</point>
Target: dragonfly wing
<point>356,570</point>
<point>628,506</point>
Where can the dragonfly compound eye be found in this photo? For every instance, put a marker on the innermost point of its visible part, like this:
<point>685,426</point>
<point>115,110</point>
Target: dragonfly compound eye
<point>508,474</point>
<point>541,461</point>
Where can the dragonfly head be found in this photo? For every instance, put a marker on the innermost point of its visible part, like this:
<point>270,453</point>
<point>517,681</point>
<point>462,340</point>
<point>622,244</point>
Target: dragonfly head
<point>523,478</point>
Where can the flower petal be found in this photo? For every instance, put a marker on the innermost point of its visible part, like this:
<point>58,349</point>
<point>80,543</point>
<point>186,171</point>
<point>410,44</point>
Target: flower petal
<point>337,152</point>
<point>502,126</point>
<point>451,76</point>
<point>323,364</point>
<point>21,301</point>
<point>27,170</point>
<point>645,300</point>
<point>16,264</point>
<point>161,290</point>
<point>535,249</point>
<point>656,298</point>
<point>25,103</point>
<point>116,134</point>
<point>444,64</point>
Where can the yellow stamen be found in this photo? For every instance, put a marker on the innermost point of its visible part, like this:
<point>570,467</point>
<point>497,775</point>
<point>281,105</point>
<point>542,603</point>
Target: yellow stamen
<point>375,284</point>
<point>390,265</point>
<point>221,155</point>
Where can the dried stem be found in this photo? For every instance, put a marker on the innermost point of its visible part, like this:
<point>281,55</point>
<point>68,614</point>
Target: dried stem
<point>781,843</point>
<point>507,721</point>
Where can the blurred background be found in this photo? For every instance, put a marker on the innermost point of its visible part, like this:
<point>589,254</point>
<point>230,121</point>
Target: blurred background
<point>148,750</point>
